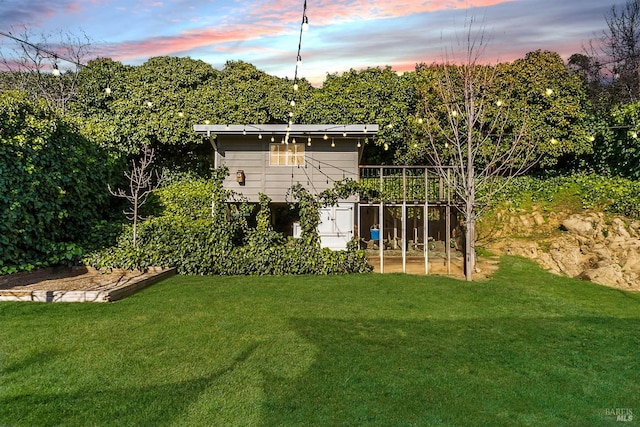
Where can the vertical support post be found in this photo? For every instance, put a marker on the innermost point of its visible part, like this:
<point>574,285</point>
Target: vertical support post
<point>403,238</point>
<point>212,141</point>
<point>381,221</point>
<point>448,223</point>
<point>447,237</point>
<point>426,221</point>
<point>358,226</point>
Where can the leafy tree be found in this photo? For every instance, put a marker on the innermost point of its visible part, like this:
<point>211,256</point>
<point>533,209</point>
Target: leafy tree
<point>101,82</point>
<point>374,95</point>
<point>550,102</point>
<point>153,106</point>
<point>617,146</point>
<point>245,94</point>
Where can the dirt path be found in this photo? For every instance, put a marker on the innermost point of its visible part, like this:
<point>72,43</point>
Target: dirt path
<point>416,265</point>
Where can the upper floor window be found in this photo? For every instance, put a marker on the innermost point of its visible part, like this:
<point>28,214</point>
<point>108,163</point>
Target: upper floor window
<point>286,154</point>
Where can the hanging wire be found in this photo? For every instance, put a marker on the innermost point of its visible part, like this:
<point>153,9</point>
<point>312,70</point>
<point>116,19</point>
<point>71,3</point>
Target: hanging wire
<point>304,24</point>
<point>51,54</point>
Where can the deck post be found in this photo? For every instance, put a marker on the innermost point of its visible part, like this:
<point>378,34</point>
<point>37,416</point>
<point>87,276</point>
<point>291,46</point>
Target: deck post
<point>403,239</point>
<point>381,223</point>
<point>425,219</point>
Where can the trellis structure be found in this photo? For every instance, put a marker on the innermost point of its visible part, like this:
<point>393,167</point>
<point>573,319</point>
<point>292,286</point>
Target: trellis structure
<point>421,193</point>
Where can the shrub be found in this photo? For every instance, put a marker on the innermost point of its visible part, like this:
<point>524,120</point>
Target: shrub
<point>615,195</point>
<point>54,185</point>
<point>199,232</point>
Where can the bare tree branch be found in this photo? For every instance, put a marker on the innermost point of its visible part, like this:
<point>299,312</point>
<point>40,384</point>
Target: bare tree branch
<point>470,140</point>
<point>143,180</point>
<point>47,67</point>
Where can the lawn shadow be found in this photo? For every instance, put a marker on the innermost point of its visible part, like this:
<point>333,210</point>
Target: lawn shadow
<point>157,405</point>
<point>506,371</point>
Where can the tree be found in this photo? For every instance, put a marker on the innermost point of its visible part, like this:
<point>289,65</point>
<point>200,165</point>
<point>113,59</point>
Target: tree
<point>33,65</point>
<point>550,102</point>
<point>373,95</point>
<point>143,180</point>
<point>470,139</point>
<point>617,146</point>
<point>620,45</point>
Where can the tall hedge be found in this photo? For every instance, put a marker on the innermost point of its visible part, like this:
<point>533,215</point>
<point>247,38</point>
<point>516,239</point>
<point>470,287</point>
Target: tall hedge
<point>53,185</point>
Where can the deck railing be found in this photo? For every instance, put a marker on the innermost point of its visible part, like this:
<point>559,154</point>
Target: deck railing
<point>415,184</point>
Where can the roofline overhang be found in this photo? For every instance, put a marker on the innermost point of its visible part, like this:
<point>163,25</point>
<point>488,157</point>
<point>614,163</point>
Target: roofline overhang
<point>353,130</point>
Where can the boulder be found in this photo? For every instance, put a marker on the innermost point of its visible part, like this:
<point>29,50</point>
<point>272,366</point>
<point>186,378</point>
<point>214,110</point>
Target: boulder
<point>590,249</point>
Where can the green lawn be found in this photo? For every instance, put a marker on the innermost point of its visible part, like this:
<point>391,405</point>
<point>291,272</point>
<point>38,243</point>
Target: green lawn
<point>524,348</point>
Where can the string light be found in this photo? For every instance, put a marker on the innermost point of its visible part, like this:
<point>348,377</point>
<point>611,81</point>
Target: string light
<point>304,25</point>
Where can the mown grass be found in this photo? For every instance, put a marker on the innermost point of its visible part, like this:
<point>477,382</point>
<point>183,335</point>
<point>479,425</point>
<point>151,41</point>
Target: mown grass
<point>523,348</point>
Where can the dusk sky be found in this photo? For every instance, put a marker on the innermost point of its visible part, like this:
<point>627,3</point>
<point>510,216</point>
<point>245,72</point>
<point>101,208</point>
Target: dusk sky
<point>343,34</point>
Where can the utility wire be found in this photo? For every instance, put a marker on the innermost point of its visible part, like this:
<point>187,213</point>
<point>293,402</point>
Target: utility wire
<point>51,53</point>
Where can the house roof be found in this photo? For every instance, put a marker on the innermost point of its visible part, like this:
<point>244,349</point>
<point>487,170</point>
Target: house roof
<point>361,131</point>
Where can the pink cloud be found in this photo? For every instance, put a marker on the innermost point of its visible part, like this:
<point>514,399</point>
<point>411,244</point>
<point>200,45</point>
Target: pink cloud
<point>188,40</point>
<point>327,12</point>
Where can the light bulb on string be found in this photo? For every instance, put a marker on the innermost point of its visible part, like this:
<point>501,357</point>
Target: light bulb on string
<point>259,136</point>
<point>305,23</point>
<point>333,143</point>
<point>295,87</point>
<point>55,71</point>
<point>359,144</point>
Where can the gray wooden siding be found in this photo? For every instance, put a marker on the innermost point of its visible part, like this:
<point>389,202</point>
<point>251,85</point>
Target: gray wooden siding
<point>323,165</point>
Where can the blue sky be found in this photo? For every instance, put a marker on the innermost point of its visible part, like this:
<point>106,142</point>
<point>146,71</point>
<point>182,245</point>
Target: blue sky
<point>343,34</point>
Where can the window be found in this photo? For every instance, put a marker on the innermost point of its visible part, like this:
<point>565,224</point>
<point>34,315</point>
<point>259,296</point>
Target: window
<point>286,154</point>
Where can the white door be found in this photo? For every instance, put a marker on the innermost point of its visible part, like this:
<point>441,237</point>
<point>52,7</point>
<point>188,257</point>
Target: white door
<point>336,226</point>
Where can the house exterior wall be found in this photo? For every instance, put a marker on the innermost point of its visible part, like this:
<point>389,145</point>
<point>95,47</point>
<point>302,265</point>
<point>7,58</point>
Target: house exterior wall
<point>323,165</point>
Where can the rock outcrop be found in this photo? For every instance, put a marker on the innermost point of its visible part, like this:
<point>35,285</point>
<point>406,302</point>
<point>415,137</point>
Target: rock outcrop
<point>590,246</point>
